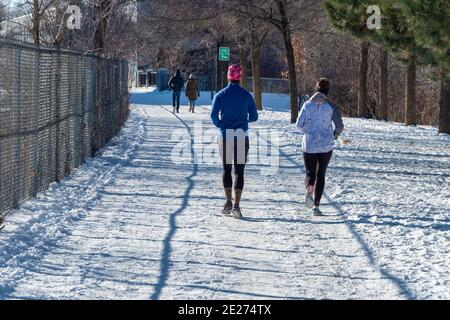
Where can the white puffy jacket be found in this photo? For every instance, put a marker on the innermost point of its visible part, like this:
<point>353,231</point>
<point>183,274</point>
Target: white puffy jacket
<point>316,121</point>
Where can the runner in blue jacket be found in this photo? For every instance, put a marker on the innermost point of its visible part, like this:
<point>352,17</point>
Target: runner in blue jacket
<point>315,122</point>
<point>233,108</point>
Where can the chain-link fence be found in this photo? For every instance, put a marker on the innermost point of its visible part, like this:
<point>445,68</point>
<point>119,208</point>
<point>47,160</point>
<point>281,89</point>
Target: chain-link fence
<point>57,108</point>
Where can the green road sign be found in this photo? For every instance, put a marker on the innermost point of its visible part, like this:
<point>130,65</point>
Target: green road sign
<point>224,54</point>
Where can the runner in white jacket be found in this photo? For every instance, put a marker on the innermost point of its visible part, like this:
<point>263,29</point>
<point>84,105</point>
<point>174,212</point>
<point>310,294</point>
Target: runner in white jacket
<point>315,122</point>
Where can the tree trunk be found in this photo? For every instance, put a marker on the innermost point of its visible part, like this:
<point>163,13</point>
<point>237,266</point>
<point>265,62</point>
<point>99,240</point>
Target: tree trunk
<point>444,107</point>
<point>256,73</point>
<point>243,62</point>
<point>213,73</point>
<point>383,112</point>
<point>99,43</point>
<point>224,65</point>
<point>36,25</point>
<point>100,31</point>
<point>293,90</point>
<point>410,104</point>
<point>97,115</point>
<point>97,133</point>
<point>218,70</point>
<point>292,79</point>
<point>222,68</point>
<point>286,31</point>
<point>362,80</point>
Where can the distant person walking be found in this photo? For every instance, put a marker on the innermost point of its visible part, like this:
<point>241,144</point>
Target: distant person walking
<point>233,108</point>
<point>315,122</point>
<point>176,83</point>
<point>192,92</point>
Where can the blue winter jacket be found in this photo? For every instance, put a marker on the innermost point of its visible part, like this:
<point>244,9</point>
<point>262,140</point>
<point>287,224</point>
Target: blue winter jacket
<point>316,124</point>
<point>233,108</point>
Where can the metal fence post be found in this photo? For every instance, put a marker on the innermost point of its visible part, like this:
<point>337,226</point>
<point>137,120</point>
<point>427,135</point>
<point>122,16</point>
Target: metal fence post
<point>35,103</point>
<point>58,115</point>
<point>16,131</point>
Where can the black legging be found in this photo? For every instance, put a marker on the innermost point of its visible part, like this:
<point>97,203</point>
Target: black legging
<point>239,160</point>
<point>316,166</point>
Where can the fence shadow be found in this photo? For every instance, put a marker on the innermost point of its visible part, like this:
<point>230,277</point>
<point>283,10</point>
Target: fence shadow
<point>167,243</point>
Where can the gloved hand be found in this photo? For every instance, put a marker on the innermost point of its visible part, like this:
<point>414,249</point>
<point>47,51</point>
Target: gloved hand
<point>336,136</point>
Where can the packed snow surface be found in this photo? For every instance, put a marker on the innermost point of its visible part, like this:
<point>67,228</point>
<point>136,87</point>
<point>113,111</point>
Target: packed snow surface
<point>133,224</point>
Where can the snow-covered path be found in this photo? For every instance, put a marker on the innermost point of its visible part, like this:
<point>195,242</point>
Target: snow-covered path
<point>131,224</point>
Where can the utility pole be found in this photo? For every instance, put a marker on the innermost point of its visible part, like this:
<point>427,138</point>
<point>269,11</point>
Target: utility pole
<point>218,69</point>
<point>222,58</point>
<point>212,69</point>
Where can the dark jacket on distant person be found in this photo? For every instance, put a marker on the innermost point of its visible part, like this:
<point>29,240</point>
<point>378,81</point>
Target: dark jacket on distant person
<point>192,89</point>
<point>176,83</point>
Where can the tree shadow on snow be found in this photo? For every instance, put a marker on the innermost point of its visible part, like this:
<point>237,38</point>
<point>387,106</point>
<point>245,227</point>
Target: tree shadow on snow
<point>399,283</point>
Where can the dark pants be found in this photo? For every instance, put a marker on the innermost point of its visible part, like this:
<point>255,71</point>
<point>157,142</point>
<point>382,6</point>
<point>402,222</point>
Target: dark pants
<point>176,95</point>
<point>316,166</point>
<point>234,153</point>
<point>192,104</point>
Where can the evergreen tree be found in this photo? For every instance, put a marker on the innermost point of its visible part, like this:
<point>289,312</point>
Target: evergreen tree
<point>429,20</point>
<point>350,16</point>
<point>397,36</point>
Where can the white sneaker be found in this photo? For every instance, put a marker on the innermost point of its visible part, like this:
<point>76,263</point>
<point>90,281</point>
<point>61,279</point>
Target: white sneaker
<point>309,201</point>
<point>237,213</point>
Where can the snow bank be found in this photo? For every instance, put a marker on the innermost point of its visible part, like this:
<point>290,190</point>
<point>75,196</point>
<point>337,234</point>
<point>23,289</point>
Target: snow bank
<point>145,96</point>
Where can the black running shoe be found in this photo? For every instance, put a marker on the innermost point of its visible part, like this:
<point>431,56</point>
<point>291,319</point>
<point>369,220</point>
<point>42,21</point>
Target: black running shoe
<point>228,207</point>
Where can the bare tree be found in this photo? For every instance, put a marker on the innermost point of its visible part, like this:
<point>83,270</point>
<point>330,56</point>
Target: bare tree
<point>178,27</point>
<point>282,14</point>
<point>383,84</point>
<point>362,78</point>
<point>258,33</point>
<point>35,10</point>
<point>54,22</point>
<point>114,31</point>
<point>250,34</point>
<point>243,58</point>
<point>2,12</point>
<point>103,9</point>
<point>278,13</point>
<point>107,26</point>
